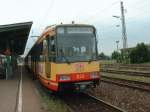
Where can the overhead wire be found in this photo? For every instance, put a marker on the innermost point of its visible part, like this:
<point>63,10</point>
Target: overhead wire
<point>130,6</point>
<point>43,19</point>
<point>101,11</point>
<point>141,3</point>
<point>50,7</point>
<point>140,11</point>
<point>114,3</point>
<point>47,12</point>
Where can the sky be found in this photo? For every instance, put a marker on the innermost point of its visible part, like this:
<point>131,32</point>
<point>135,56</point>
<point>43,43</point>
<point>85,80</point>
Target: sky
<point>96,12</point>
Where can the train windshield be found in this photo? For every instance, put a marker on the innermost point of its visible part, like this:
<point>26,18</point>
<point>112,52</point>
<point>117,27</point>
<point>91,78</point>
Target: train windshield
<point>76,44</point>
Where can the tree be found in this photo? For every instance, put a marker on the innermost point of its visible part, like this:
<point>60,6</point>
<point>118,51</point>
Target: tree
<point>115,55</point>
<point>139,54</point>
<point>103,56</point>
<point>133,56</point>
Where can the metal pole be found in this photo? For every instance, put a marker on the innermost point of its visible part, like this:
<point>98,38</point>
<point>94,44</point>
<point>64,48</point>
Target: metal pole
<point>124,34</point>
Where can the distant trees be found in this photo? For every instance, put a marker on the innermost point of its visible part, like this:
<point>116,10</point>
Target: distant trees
<point>139,54</point>
<point>117,56</point>
<point>102,56</point>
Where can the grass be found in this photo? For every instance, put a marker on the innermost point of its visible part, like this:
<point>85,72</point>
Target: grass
<point>131,78</point>
<point>53,103</point>
<point>107,61</point>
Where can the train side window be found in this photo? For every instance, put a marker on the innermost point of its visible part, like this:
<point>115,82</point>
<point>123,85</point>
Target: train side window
<point>39,52</point>
<point>52,44</point>
<point>52,50</point>
<point>45,45</point>
<point>42,58</point>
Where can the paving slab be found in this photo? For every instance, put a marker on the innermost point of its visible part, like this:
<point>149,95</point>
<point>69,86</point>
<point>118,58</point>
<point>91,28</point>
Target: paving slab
<point>9,92</point>
<point>32,101</point>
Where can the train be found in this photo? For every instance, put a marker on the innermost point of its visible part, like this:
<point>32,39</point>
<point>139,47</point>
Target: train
<point>65,57</point>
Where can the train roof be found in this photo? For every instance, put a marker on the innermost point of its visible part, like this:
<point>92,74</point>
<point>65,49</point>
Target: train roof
<point>63,25</point>
<point>75,25</point>
<point>52,28</point>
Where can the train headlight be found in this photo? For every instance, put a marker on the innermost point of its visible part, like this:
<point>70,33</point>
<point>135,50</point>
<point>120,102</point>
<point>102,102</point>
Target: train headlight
<point>64,77</point>
<point>94,75</point>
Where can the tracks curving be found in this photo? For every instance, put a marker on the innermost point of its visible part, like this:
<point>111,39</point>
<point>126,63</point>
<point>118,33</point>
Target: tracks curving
<point>83,102</point>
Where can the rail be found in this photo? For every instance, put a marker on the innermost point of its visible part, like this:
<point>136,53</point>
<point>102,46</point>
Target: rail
<point>85,102</point>
<point>127,83</point>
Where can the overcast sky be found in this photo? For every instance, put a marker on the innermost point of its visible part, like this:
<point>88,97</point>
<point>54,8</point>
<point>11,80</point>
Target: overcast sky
<point>96,12</point>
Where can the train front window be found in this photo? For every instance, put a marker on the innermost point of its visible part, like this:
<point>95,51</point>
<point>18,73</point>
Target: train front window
<point>76,44</point>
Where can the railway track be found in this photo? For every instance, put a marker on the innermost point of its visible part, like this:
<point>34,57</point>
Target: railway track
<point>128,72</point>
<point>83,102</point>
<point>127,65</point>
<point>142,86</point>
<point>135,67</point>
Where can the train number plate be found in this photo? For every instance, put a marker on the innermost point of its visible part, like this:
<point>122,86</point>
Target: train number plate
<point>80,76</point>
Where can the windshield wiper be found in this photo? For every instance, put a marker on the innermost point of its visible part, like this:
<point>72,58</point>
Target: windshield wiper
<point>90,59</point>
<point>66,59</point>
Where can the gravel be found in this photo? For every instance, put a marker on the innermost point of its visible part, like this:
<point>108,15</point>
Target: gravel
<point>126,98</point>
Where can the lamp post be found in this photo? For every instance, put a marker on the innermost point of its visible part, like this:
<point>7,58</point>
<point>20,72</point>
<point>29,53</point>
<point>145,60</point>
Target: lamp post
<point>124,34</point>
<point>122,18</point>
<point>117,42</point>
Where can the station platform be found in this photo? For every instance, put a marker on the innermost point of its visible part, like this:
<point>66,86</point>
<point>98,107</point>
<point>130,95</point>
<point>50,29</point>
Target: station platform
<point>10,95</point>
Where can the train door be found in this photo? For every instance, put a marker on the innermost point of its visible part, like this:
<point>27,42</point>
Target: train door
<point>51,54</point>
<point>47,63</point>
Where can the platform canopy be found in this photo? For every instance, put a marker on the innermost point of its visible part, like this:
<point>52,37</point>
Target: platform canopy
<point>13,38</point>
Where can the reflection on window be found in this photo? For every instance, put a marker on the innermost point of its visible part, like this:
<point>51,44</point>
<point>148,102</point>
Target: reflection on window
<point>42,58</point>
<point>74,51</point>
<point>88,30</point>
<point>83,49</point>
<point>76,44</point>
<point>79,50</point>
<point>44,44</point>
<point>60,30</point>
<point>76,30</point>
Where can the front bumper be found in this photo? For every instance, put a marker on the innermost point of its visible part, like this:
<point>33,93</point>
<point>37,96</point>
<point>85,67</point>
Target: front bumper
<point>78,77</point>
<point>79,86</point>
